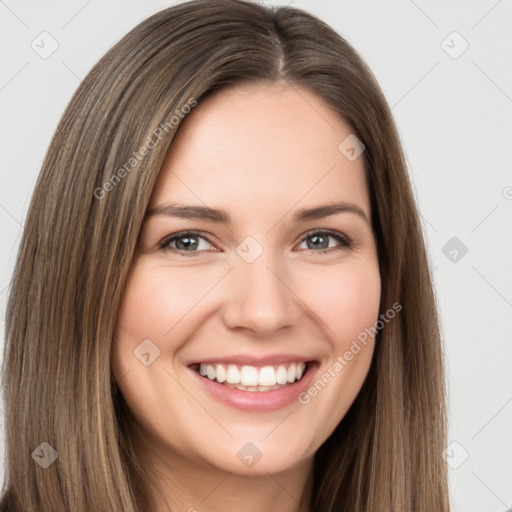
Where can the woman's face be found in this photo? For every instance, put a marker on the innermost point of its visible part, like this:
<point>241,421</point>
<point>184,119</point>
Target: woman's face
<point>273,282</point>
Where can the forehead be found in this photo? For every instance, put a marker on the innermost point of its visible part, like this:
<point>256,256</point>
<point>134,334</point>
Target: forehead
<point>248,147</point>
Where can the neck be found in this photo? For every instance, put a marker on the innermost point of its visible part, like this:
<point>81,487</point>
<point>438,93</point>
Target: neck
<point>182,484</point>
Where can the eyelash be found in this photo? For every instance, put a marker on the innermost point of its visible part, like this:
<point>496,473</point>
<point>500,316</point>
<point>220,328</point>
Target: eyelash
<point>345,242</point>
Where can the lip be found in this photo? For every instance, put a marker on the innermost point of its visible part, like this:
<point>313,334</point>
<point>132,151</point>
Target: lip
<point>251,360</point>
<point>257,400</point>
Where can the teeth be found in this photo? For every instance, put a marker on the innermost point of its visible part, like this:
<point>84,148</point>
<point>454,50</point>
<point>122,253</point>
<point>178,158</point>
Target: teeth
<point>267,376</point>
<point>210,372</point>
<point>292,373</point>
<point>252,378</point>
<point>233,375</point>
<point>220,372</point>
<point>281,375</point>
<point>249,376</point>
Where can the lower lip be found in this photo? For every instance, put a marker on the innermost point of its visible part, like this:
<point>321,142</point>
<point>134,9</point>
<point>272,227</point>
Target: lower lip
<point>257,400</point>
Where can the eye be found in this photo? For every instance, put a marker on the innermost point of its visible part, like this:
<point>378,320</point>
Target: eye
<point>192,243</point>
<point>318,241</point>
<point>186,241</point>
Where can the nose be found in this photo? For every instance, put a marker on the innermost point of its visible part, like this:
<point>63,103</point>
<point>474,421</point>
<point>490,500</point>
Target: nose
<point>261,298</point>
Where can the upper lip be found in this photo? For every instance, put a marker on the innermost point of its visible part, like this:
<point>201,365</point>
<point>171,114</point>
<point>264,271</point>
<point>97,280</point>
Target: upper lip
<point>252,360</point>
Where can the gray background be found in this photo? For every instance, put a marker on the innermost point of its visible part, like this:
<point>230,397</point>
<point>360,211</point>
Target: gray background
<point>453,109</point>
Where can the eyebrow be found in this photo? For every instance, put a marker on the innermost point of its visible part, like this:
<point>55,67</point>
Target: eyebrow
<point>218,215</point>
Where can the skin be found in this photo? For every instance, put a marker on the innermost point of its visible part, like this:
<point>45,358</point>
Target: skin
<point>260,152</point>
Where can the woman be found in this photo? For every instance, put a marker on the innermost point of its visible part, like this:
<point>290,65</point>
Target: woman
<point>222,297</point>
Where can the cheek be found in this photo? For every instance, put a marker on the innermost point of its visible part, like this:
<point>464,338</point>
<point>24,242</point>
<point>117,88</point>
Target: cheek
<point>346,302</point>
<point>358,302</point>
<point>150,309</point>
<point>345,299</point>
<point>155,301</point>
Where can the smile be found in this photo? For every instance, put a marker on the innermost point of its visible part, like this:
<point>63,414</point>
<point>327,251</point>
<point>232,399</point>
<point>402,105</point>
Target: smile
<point>253,378</point>
<point>255,384</point>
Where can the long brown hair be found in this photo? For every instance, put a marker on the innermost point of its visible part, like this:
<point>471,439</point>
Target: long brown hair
<point>82,229</point>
